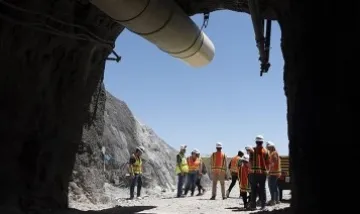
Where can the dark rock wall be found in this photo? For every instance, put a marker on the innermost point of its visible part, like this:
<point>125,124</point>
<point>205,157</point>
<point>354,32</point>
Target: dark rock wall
<point>46,87</point>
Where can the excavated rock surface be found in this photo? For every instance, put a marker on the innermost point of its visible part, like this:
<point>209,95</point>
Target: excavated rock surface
<point>116,128</point>
<point>47,88</point>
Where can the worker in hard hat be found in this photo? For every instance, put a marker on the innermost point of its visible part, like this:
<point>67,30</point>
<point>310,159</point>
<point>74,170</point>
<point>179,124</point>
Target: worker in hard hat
<point>135,167</point>
<point>194,166</point>
<point>181,169</point>
<point>259,159</point>
<point>234,170</point>
<point>202,171</point>
<point>244,184</point>
<point>274,173</point>
<point>218,170</point>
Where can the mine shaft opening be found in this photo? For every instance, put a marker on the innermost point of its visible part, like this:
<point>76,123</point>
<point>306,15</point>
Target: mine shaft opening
<point>48,85</point>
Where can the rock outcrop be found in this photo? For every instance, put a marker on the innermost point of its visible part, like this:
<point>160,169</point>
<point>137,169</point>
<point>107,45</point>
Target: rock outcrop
<point>116,129</point>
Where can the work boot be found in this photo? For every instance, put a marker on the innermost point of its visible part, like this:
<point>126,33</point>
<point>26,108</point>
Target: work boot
<point>212,198</point>
<point>271,203</point>
<point>192,193</point>
<point>277,202</point>
<point>227,193</point>
<point>224,198</point>
<point>198,194</point>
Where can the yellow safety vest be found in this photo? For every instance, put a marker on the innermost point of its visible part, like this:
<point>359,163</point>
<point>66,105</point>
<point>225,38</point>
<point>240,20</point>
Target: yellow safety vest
<point>137,166</point>
<point>184,166</point>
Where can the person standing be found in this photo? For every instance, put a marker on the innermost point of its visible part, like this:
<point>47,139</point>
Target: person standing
<point>234,170</point>
<point>244,184</point>
<point>136,172</point>
<point>202,171</point>
<point>194,166</point>
<point>181,169</point>
<point>259,160</point>
<point>218,170</point>
<point>274,173</point>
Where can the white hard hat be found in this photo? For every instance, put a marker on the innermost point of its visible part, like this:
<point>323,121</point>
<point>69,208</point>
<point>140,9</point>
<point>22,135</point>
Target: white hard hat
<point>243,151</point>
<point>245,158</point>
<point>259,138</point>
<point>196,151</point>
<point>218,145</point>
<point>141,149</point>
<point>248,147</point>
<point>182,147</point>
<point>271,144</point>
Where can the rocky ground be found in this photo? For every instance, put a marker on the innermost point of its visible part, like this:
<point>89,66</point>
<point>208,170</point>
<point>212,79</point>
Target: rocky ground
<point>156,201</point>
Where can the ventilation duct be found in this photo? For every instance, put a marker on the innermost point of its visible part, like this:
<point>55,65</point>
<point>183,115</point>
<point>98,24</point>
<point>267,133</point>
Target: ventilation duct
<point>165,24</point>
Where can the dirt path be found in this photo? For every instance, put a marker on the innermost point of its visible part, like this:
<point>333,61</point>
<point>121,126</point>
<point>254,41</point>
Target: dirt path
<point>166,203</point>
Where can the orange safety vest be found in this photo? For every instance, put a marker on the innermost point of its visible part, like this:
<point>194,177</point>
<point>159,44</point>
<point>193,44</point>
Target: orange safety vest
<point>218,162</point>
<point>234,168</point>
<point>259,160</point>
<point>243,175</point>
<point>194,165</point>
<point>275,164</point>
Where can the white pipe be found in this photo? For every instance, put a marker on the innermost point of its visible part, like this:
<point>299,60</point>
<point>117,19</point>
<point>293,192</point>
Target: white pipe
<point>163,23</point>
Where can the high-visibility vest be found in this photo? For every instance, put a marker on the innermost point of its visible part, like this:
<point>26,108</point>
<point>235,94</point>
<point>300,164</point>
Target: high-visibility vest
<point>275,167</point>
<point>243,175</point>
<point>184,165</point>
<point>194,165</point>
<point>259,160</point>
<point>137,166</point>
<point>234,168</point>
<point>218,162</point>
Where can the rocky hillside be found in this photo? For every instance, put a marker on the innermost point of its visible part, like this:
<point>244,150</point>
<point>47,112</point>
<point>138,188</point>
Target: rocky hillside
<point>117,130</point>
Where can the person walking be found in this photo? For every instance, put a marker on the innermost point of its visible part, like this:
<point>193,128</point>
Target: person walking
<point>202,171</point>
<point>274,174</point>
<point>194,166</point>
<point>259,160</point>
<point>181,169</point>
<point>234,170</point>
<point>218,171</point>
<point>244,184</point>
<point>136,172</point>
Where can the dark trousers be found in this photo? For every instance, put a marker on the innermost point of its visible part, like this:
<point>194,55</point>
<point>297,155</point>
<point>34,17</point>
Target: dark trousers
<point>190,182</point>
<point>180,185</point>
<point>234,178</point>
<point>136,180</point>
<point>274,190</point>
<point>245,198</point>
<point>198,184</point>
<point>258,182</point>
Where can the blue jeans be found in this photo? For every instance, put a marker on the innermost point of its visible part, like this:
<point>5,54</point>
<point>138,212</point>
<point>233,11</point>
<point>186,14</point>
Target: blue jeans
<point>136,181</point>
<point>190,182</point>
<point>274,190</point>
<point>180,184</point>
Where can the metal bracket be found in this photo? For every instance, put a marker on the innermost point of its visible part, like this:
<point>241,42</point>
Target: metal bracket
<point>262,41</point>
<point>117,58</point>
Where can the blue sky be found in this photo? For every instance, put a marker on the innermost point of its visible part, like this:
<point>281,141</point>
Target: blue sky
<point>225,101</point>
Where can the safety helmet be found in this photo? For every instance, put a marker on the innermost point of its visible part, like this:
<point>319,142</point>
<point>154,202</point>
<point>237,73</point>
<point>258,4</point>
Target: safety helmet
<point>270,144</point>
<point>218,145</point>
<point>196,151</point>
<point>259,138</point>
<point>182,147</point>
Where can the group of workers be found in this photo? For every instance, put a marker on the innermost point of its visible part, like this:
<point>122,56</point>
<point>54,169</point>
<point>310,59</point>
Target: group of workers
<point>251,167</point>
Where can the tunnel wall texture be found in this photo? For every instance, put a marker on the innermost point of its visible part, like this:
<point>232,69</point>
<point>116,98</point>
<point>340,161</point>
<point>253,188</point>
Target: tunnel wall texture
<point>47,84</point>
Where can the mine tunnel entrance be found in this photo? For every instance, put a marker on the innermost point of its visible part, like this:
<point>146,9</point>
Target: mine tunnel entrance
<point>50,82</point>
